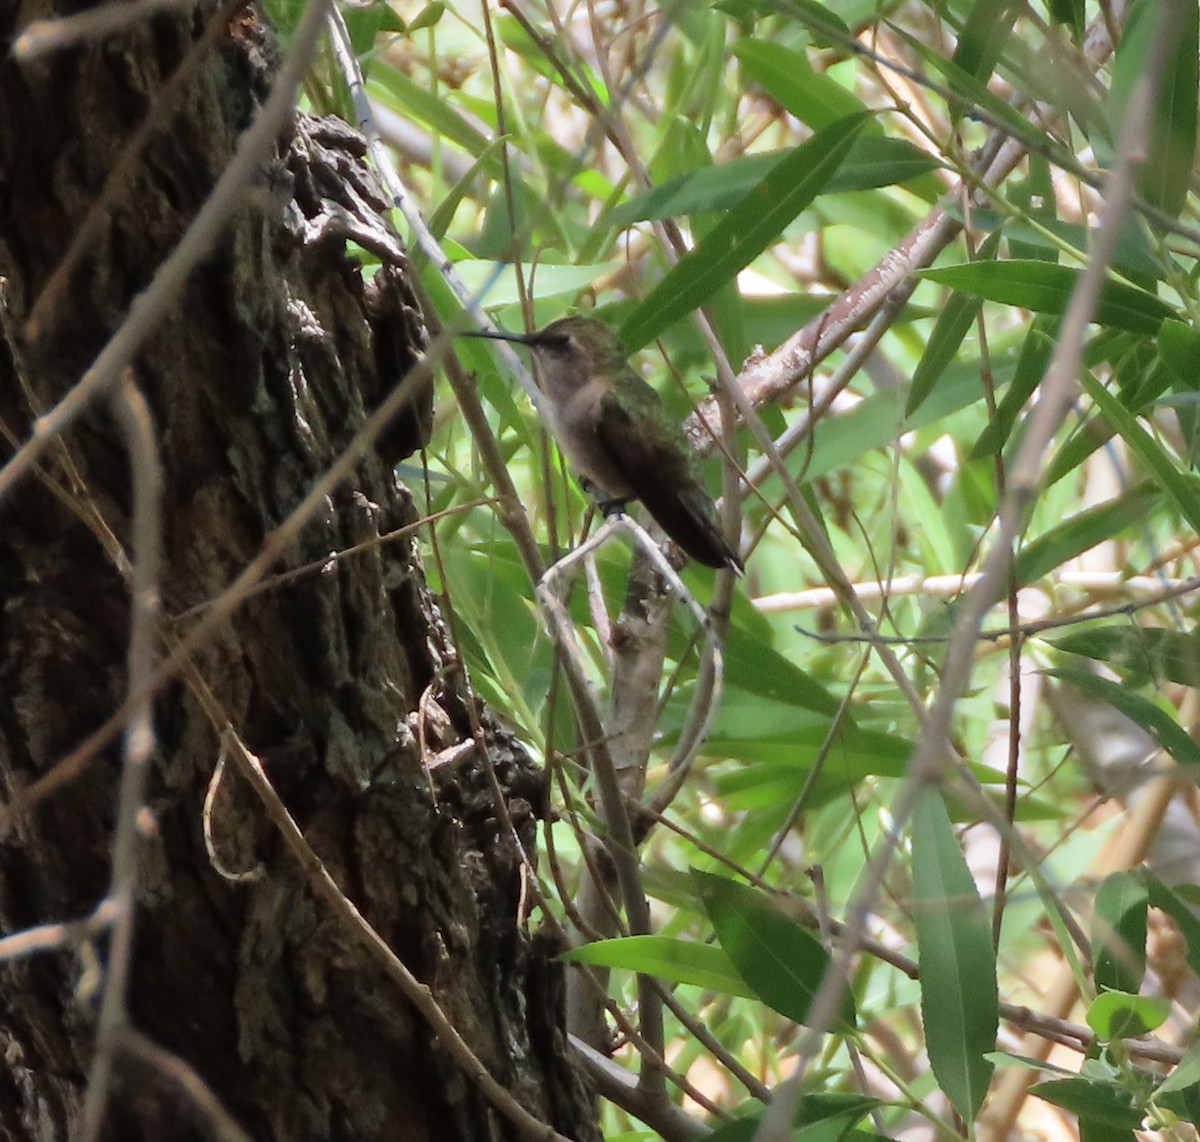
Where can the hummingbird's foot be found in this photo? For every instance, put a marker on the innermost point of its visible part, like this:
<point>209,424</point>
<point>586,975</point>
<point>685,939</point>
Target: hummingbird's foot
<point>609,508</point>
<point>608,505</point>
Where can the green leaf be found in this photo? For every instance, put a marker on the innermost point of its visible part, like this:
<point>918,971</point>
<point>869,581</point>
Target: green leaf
<point>1119,1015</point>
<point>1185,1074</point>
<point>1071,13</point>
<point>1153,719</point>
<point>743,234</point>
<point>973,92</point>
<point>953,324</point>
<point>873,162</point>
<point>1178,486</point>
<point>1084,531</point>
<point>1046,288</point>
<point>825,1116</point>
<point>1119,932</point>
<point>982,37</point>
<point>551,281</point>
<point>428,17</point>
<point>412,99</point>
<point>779,959</point>
<point>1033,196</point>
<point>1179,348</point>
<point>758,668</point>
<point>1153,653</point>
<point>959,999</point>
<point>1163,175</point>
<point>439,220</point>
<point>1183,1102</point>
<point>1095,1130</point>
<point>1092,1100</point>
<point>788,77</point>
<point>1179,351</point>
<point>679,961</point>
<point>365,23</point>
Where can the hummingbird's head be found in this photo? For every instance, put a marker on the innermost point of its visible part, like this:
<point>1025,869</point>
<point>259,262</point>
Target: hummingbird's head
<point>583,342</point>
<point>569,351</point>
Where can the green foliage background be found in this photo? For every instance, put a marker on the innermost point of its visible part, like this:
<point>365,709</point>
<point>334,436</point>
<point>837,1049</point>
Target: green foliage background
<point>795,148</point>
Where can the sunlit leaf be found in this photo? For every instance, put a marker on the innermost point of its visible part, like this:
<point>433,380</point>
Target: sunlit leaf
<point>1119,1015</point>
<point>679,961</point>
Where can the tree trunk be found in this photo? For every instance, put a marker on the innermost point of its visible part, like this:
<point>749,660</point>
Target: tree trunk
<point>343,679</point>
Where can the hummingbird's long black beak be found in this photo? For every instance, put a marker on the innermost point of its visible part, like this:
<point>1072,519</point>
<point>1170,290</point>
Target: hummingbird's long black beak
<point>497,335</point>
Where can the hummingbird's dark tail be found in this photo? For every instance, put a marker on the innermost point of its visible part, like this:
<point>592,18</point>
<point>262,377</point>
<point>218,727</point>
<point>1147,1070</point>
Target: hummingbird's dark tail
<point>687,519</point>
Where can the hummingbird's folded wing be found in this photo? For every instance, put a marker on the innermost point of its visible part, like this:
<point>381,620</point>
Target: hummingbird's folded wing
<point>663,470</point>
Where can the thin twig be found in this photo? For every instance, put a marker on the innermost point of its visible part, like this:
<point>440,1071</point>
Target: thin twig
<point>133,416</point>
<point>56,937</point>
<point>170,1068</point>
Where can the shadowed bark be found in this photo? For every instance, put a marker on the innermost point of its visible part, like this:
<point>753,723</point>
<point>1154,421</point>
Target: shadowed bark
<point>256,381</point>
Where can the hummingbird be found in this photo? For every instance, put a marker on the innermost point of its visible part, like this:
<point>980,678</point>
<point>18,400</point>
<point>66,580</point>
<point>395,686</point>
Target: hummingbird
<point>619,435</point>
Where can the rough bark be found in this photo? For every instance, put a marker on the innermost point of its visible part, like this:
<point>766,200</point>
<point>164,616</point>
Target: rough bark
<point>256,381</point>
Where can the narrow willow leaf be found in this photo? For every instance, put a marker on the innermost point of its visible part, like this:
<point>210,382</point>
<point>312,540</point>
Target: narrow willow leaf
<point>405,95</point>
<point>1179,351</point>
<point>748,229</point>
<point>1084,531</point>
<point>788,77</point>
<point>973,92</point>
<point>1178,487</point>
<point>1071,13</point>
<point>983,35</point>
<point>959,998</point>
<point>680,961</point>
<point>872,162</point>
<point>1046,288</point>
<point>760,669</point>
<point>827,1116</point>
<point>779,959</point>
<point>1163,176</point>
<point>1179,348</point>
<point>953,324</point>
<point>1154,654</point>
<point>1034,197</point>
<point>439,220</point>
<point>1142,712</point>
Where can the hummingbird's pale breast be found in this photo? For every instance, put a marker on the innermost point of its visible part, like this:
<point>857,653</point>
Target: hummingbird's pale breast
<point>574,416</point>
